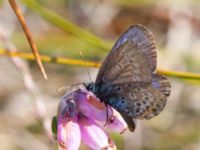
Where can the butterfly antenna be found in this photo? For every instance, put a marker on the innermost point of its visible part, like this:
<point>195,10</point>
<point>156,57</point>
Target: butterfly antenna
<point>83,59</point>
<point>67,88</point>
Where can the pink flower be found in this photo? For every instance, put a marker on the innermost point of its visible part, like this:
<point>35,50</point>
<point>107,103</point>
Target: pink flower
<point>81,116</point>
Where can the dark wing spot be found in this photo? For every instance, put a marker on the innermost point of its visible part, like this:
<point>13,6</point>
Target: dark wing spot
<point>119,88</point>
<point>137,110</point>
<point>138,104</point>
<point>157,105</point>
<point>122,102</point>
<point>123,97</point>
<point>144,102</point>
<point>154,110</point>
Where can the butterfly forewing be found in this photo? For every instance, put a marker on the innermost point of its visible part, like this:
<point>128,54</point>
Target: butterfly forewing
<point>132,57</point>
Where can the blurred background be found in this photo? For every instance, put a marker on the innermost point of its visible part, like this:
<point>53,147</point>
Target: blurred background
<point>28,102</point>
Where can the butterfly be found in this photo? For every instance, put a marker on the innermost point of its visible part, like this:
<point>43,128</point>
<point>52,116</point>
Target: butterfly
<point>127,79</point>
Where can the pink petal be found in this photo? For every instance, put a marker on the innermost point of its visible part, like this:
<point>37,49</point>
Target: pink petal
<point>116,122</point>
<point>69,136</point>
<point>90,106</point>
<point>106,116</point>
<point>93,135</point>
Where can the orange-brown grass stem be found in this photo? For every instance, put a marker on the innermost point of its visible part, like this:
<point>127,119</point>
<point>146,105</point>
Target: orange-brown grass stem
<point>27,32</point>
<point>77,62</point>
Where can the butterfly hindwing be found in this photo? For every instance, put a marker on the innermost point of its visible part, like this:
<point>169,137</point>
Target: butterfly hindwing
<point>140,102</point>
<point>161,83</point>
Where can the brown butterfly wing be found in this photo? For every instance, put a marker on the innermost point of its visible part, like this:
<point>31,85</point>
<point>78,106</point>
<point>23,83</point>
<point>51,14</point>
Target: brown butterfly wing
<point>132,58</point>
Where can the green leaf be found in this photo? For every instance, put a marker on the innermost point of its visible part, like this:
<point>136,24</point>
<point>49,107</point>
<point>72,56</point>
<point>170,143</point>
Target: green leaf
<point>54,125</point>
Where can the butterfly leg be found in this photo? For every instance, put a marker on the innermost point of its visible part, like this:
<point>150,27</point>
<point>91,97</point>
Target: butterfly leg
<point>107,115</point>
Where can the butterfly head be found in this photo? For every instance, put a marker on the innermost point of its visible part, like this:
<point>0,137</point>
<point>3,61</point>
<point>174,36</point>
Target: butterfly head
<point>90,86</point>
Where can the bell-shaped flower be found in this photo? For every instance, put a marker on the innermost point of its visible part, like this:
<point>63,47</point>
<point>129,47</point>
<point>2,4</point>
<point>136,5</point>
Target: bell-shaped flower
<point>81,116</point>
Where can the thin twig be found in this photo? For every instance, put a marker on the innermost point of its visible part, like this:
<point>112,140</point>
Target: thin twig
<point>22,21</point>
